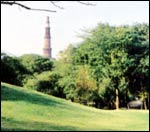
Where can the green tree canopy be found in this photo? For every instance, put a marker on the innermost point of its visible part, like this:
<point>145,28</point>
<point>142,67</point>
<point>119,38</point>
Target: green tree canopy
<point>36,63</point>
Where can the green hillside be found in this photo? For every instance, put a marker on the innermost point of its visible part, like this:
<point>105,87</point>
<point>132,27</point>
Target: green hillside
<point>23,109</point>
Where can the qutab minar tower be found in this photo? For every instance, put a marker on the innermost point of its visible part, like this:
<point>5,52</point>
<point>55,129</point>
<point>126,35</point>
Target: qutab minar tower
<point>47,41</point>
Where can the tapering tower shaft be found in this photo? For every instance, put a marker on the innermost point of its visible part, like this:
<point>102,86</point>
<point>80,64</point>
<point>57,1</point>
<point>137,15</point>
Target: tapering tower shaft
<point>47,41</point>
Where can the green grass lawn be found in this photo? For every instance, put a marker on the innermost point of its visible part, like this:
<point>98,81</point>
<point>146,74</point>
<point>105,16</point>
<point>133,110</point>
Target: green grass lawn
<point>23,109</point>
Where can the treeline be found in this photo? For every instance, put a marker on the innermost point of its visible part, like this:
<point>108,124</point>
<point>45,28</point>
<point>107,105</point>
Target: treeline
<point>109,68</point>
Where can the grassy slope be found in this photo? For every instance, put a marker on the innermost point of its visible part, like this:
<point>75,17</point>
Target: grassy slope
<point>29,110</point>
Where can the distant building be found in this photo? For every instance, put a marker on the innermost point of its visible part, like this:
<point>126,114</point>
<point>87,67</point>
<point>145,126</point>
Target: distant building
<point>47,50</point>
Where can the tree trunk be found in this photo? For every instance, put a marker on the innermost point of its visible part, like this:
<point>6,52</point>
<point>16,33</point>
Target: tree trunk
<point>126,97</point>
<point>148,101</point>
<point>117,99</point>
<point>145,107</point>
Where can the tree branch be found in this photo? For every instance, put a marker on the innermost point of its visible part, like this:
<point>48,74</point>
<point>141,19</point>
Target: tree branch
<point>23,6</point>
<point>52,2</point>
<point>86,3</point>
<point>60,7</point>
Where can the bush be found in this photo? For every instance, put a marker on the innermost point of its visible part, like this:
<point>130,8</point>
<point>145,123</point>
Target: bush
<point>46,82</point>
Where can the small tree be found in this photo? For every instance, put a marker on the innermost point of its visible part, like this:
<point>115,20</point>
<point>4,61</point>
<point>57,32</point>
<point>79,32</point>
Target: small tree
<point>12,71</point>
<point>85,84</point>
<point>46,82</point>
<point>36,63</point>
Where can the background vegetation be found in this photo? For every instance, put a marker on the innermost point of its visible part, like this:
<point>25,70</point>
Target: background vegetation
<point>109,68</point>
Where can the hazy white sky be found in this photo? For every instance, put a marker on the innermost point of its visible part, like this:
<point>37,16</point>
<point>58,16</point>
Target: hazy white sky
<point>22,31</point>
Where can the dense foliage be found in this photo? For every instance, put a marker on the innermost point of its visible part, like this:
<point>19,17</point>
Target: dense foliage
<point>109,68</point>
<point>12,71</point>
<point>114,61</point>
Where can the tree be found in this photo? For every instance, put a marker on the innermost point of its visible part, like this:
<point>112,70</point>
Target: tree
<point>116,54</point>
<point>85,84</point>
<point>12,71</point>
<point>67,70</point>
<point>36,63</point>
<point>46,82</point>
<point>138,70</point>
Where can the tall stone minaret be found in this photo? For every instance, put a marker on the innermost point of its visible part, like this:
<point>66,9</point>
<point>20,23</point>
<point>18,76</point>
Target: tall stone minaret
<point>47,41</point>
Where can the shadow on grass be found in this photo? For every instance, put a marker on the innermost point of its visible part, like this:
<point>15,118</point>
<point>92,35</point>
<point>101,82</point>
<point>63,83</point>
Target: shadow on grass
<point>9,124</point>
<point>20,94</point>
